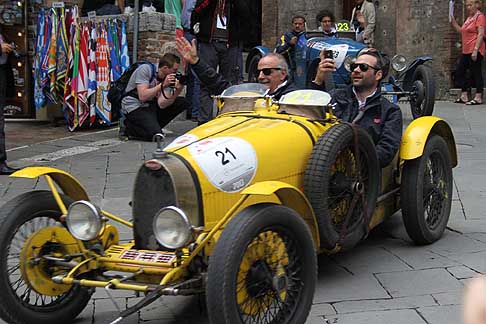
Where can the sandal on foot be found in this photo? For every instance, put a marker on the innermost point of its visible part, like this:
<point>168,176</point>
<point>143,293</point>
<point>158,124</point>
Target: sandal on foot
<point>473,102</point>
<point>459,100</point>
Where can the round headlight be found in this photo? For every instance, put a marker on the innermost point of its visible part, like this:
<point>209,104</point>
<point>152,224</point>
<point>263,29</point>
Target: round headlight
<point>399,63</point>
<point>83,220</point>
<point>348,60</point>
<point>172,228</point>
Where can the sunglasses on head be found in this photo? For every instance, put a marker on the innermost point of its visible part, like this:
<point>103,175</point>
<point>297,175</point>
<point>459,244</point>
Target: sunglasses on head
<point>363,67</point>
<point>267,71</point>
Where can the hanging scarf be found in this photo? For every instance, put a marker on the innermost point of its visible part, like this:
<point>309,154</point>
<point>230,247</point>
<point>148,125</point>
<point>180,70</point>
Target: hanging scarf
<point>115,67</point>
<point>70,98</point>
<point>103,107</point>
<point>82,90</point>
<point>45,53</point>
<point>124,58</point>
<point>61,56</point>
<point>92,74</point>
<point>51,63</point>
<point>39,98</point>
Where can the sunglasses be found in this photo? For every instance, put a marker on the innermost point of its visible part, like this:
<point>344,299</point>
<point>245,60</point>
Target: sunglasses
<point>362,66</point>
<point>267,71</point>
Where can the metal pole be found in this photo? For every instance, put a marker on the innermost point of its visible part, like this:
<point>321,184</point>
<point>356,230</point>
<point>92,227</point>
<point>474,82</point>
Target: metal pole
<point>135,30</point>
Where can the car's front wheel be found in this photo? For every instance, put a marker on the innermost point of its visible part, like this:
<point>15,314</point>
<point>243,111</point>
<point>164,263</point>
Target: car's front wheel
<point>30,232</point>
<point>426,192</point>
<point>263,268</point>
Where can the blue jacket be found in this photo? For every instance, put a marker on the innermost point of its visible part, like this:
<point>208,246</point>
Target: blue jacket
<point>381,119</point>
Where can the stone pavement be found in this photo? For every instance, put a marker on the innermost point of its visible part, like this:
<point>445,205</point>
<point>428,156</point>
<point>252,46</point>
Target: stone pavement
<point>386,279</point>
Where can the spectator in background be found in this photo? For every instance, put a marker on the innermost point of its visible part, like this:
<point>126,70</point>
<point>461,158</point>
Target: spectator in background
<point>289,40</point>
<point>152,99</point>
<point>192,87</point>
<point>473,50</point>
<point>219,26</point>
<point>5,79</point>
<point>174,7</point>
<point>326,21</point>
<point>103,7</point>
<point>363,19</point>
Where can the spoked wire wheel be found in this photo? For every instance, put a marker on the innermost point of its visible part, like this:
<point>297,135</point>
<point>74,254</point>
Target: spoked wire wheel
<point>29,231</point>
<point>263,268</point>
<point>269,279</point>
<point>426,192</point>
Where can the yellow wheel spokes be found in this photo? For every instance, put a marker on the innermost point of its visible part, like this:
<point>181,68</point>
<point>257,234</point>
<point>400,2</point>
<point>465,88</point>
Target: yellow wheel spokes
<point>269,251</point>
<point>346,165</point>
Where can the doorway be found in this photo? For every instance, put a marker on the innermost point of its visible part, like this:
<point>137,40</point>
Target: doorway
<point>348,6</point>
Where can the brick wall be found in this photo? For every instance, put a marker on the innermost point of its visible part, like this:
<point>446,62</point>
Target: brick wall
<point>409,27</point>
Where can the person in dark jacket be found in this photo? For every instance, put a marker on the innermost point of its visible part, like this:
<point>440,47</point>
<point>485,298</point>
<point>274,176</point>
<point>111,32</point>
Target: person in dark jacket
<point>361,102</point>
<point>288,40</point>
<point>5,69</point>
<point>272,71</point>
<point>220,27</point>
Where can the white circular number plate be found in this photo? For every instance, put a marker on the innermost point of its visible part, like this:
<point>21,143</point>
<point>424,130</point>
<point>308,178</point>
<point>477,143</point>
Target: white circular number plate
<point>229,163</point>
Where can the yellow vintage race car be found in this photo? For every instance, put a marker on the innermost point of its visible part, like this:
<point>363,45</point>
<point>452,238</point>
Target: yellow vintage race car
<point>237,208</point>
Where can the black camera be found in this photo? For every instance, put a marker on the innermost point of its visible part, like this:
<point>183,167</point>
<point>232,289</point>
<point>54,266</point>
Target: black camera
<point>329,54</point>
<point>181,78</point>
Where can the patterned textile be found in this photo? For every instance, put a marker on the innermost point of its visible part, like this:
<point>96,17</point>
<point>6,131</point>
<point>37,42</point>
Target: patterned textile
<point>61,55</point>
<point>92,74</point>
<point>39,98</point>
<point>103,106</point>
<point>112,37</point>
<point>82,91</point>
<point>124,58</point>
<point>70,98</point>
<point>51,61</point>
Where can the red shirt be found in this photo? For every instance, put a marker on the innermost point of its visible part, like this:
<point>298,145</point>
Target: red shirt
<point>469,32</point>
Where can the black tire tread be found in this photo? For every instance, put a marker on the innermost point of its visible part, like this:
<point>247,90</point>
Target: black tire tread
<point>412,212</point>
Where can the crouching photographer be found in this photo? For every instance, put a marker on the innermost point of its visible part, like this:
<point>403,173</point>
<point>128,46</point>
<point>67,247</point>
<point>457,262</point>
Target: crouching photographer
<point>152,98</point>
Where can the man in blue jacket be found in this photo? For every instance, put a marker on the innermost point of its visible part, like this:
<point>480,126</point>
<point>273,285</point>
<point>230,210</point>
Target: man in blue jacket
<point>361,102</point>
<point>288,41</point>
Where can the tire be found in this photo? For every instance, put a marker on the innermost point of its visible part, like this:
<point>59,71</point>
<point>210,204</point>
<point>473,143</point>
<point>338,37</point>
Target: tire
<point>265,251</point>
<point>19,219</point>
<point>330,184</point>
<point>426,215</point>
<point>252,68</point>
<point>423,98</point>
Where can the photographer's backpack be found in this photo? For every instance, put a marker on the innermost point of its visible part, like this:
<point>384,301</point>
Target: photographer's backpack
<point>118,87</point>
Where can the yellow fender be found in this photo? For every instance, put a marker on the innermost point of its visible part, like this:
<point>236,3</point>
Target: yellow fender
<point>416,134</point>
<point>291,197</point>
<point>69,185</point>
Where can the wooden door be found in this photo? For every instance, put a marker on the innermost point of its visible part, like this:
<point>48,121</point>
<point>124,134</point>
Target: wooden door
<point>348,6</point>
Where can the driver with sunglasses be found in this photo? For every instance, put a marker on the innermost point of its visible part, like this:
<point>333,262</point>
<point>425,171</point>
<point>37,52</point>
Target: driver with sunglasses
<point>272,71</point>
<point>361,102</point>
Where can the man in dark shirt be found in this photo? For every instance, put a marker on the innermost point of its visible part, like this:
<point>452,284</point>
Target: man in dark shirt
<point>272,71</point>
<point>289,40</point>
<point>361,103</point>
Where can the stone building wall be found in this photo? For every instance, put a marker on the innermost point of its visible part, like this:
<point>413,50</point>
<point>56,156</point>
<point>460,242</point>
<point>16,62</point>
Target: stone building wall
<point>409,27</point>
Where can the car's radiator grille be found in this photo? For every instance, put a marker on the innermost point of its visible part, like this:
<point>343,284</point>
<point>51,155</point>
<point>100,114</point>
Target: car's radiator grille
<point>153,190</point>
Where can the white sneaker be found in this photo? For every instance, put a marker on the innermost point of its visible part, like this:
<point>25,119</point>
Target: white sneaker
<point>128,10</point>
<point>149,9</point>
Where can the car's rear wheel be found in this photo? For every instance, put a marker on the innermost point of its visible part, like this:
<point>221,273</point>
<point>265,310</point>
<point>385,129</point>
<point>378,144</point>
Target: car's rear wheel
<point>253,67</point>
<point>422,99</point>
<point>426,192</point>
<point>29,230</point>
<point>342,183</point>
<point>263,268</point>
